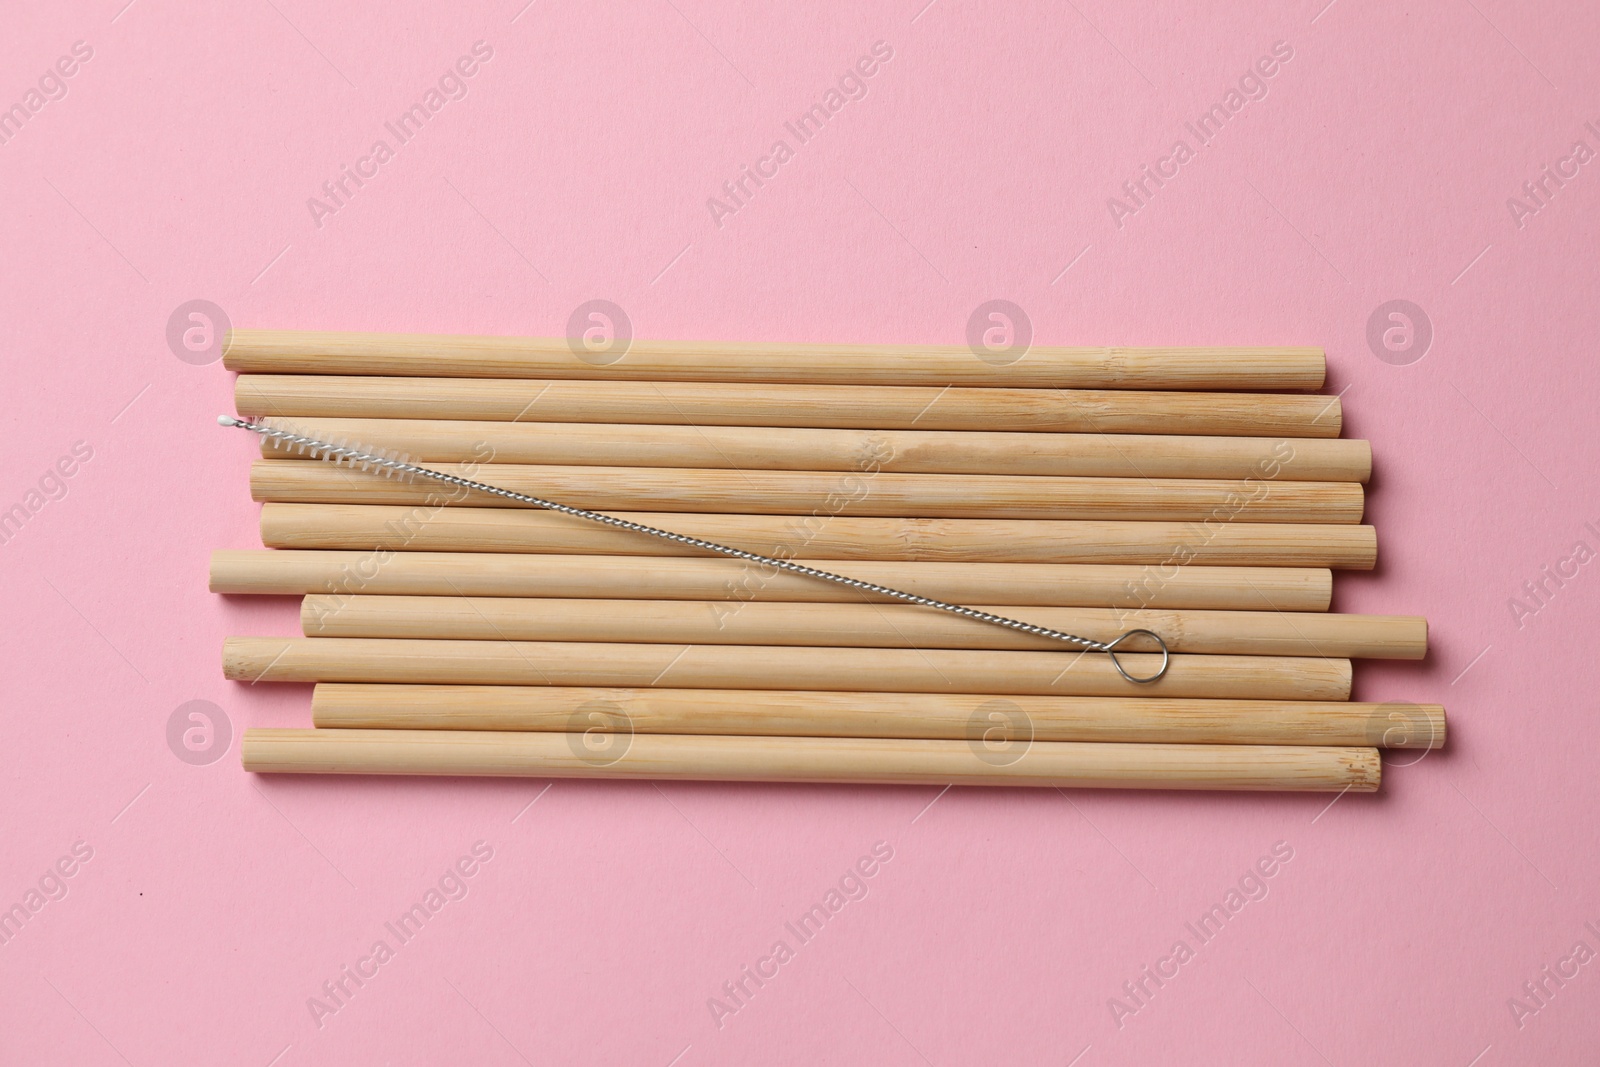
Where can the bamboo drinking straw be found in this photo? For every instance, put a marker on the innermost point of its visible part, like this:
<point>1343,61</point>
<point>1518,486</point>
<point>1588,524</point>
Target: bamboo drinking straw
<point>996,722</point>
<point>352,659</point>
<point>893,761</point>
<point>1163,546</point>
<point>308,352</point>
<point>805,492</point>
<point>893,451</point>
<point>722,404</point>
<point>1245,633</point>
<point>676,578</point>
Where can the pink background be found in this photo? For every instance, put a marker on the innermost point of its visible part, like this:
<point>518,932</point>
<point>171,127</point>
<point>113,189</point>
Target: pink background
<point>977,167</point>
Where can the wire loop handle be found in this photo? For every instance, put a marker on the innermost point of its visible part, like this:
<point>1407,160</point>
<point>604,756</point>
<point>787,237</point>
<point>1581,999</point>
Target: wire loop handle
<point>1112,651</point>
<point>390,465</point>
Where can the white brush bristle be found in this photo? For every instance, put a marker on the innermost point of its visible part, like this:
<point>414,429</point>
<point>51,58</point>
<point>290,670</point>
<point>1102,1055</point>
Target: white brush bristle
<point>333,450</point>
<point>371,466</point>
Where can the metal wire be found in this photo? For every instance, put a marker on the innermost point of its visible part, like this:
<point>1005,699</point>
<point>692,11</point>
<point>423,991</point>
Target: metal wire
<point>393,464</point>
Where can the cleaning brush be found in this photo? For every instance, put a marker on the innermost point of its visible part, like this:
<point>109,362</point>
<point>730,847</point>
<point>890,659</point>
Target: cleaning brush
<point>395,465</point>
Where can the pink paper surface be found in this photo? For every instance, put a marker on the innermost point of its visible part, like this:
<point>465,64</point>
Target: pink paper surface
<point>1377,166</point>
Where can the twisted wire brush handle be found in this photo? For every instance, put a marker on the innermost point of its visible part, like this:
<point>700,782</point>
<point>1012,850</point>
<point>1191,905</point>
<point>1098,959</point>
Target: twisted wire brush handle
<point>373,460</point>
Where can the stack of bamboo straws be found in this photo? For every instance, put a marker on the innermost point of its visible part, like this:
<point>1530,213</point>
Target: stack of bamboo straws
<point>1200,493</point>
